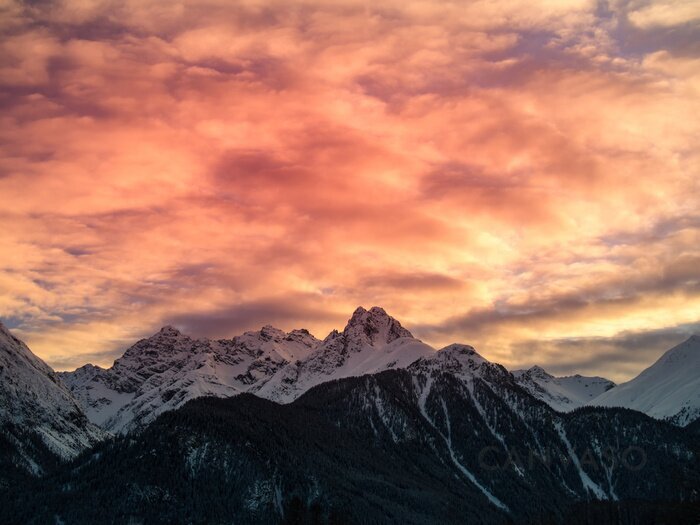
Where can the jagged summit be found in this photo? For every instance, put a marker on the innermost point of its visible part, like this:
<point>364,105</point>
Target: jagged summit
<point>167,340</point>
<point>374,327</point>
<point>371,341</point>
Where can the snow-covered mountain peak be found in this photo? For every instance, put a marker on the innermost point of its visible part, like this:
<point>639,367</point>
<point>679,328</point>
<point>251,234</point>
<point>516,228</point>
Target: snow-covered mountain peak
<point>269,332</point>
<point>85,372</point>
<point>276,344</point>
<point>458,349</point>
<point>463,361</point>
<point>334,334</point>
<point>372,341</point>
<point>688,349</point>
<point>561,393</point>
<point>534,371</point>
<point>21,351</point>
<point>373,327</point>
<point>462,353</point>
<point>304,337</point>
<point>669,389</point>
<point>165,343</point>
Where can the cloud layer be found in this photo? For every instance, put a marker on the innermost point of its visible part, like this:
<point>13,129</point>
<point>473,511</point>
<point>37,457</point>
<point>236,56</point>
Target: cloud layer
<point>516,175</point>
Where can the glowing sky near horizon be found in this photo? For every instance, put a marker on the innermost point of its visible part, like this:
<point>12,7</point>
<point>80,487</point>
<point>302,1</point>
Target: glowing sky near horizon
<point>522,176</point>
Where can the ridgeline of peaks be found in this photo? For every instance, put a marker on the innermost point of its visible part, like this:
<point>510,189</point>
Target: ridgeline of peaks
<point>166,370</point>
<point>449,438</point>
<point>393,414</point>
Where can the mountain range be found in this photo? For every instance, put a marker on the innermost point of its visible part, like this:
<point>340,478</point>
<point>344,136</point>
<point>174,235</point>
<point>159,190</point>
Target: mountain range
<point>169,368</point>
<point>369,425</point>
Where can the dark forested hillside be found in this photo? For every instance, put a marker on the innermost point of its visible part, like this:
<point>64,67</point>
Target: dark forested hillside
<point>405,446</point>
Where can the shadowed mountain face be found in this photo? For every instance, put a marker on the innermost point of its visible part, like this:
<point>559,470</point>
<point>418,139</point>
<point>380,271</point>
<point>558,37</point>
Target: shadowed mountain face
<point>453,440</point>
<point>41,423</point>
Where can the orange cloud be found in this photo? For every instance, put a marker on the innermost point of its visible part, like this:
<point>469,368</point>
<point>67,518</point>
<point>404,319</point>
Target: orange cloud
<point>494,173</point>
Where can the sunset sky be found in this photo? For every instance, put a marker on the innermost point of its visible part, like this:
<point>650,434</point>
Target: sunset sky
<point>522,176</point>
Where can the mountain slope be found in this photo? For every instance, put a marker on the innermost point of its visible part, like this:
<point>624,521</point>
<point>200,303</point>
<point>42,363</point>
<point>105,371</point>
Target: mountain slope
<point>169,368</point>
<point>561,393</point>
<point>372,341</point>
<point>450,439</point>
<point>40,422</point>
<point>669,389</point>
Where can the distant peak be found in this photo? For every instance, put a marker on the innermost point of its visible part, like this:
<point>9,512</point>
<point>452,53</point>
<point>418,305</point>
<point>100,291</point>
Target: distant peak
<point>462,357</point>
